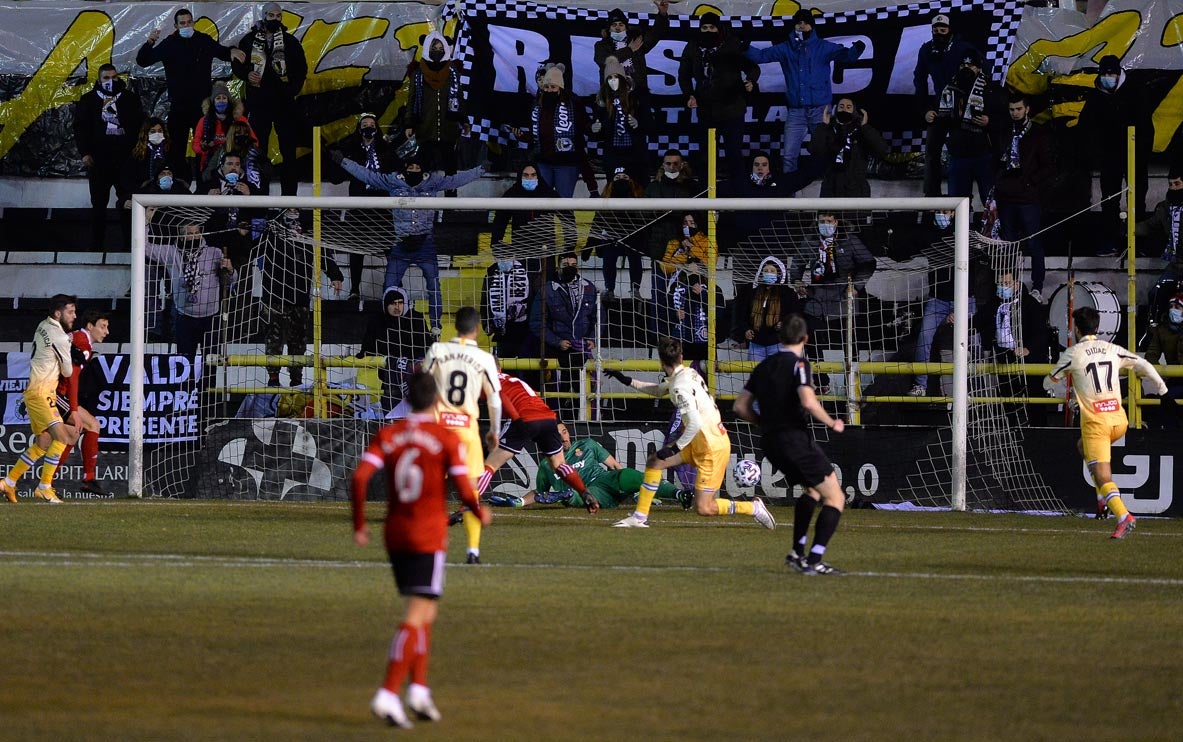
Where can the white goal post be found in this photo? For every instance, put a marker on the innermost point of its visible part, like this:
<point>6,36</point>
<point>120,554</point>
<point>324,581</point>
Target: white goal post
<point>961,279</point>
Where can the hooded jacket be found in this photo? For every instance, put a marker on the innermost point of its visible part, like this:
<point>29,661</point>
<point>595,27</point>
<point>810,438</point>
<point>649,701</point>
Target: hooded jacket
<point>634,62</point>
<point>503,218</point>
<point>90,130</point>
<point>760,307</point>
<point>404,336</point>
<point>210,122</point>
<point>408,221</point>
<point>806,66</point>
<point>434,99</point>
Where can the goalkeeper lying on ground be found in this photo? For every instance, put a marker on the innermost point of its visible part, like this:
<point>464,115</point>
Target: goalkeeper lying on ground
<point>606,479</point>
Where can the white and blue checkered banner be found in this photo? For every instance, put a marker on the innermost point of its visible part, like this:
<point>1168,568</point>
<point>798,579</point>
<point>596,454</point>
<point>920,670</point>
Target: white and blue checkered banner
<point>503,43</point>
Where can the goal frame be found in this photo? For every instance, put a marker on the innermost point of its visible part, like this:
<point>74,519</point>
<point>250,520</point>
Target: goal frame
<point>961,222</point>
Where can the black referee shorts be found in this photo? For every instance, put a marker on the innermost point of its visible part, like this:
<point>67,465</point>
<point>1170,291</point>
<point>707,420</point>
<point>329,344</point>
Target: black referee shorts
<point>545,433</point>
<point>796,454</point>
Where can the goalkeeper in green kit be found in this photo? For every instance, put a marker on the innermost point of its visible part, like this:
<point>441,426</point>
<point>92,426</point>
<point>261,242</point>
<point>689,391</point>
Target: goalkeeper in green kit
<point>606,480</point>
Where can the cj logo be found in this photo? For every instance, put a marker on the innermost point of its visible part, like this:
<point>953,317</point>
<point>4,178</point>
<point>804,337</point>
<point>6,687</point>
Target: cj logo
<point>1141,467</point>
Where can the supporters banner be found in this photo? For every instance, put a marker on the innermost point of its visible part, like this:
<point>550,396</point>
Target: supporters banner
<point>503,43</point>
<point>50,54</point>
<point>170,398</point>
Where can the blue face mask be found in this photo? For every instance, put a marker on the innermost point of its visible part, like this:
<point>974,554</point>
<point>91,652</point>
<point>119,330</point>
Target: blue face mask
<point>529,185</point>
<point>1107,82</point>
<point>221,106</point>
<point>619,35</point>
<point>942,220</point>
<point>186,33</point>
<point>505,266</point>
<point>165,182</point>
<point>231,179</point>
<point>1176,316</point>
<point>827,230</point>
<point>1005,293</point>
<point>768,278</point>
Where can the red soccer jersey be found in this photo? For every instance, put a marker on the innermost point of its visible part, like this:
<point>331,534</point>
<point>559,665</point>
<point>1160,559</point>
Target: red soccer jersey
<point>68,385</point>
<point>419,455</point>
<point>522,402</point>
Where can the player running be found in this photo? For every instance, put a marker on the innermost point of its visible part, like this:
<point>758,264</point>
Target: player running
<point>462,372</point>
<point>1096,366</point>
<point>50,361</point>
<point>704,443</point>
<point>781,389</point>
<point>418,455</point>
<point>95,328</point>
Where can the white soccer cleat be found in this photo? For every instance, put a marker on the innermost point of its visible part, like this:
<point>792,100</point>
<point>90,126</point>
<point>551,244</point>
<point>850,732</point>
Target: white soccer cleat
<point>419,701</point>
<point>631,521</point>
<point>388,707</point>
<point>761,514</point>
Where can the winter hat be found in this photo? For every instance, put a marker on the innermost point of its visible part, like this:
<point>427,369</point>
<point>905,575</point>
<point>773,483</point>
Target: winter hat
<point>394,293</point>
<point>802,15</point>
<point>1176,299</point>
<point>972,56</point>
<point>554,76</point>
<point>271,8</point>
<point>612,66</point>
<point>1110,65</point>
<point>219,88</point>
<point>710,17</point>
<point>940,19</point>
<point>616,15</point>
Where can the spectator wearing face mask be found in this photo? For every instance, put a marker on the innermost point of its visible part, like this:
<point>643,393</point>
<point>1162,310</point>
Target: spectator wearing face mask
<point>414,230</point>
<point>715,79</point>
<point>1109,110</point>
<point>529,184</point>
<point>1024,168</point>
<point>842,143</point>
<point>218,112</point>
<point>151,154</point>
<point>1013,328</point>
<point>972,111</point>
<point>673,179</point>
<point>240,140</point>
<point>831,256</point>
<point>937,62</point>
<point>161,228</point>
<point>688,297</point>
<point>613,236</point>
<point>274,71</point>
<point>199,275</point>
<point>398,332</point>
<point>1166,345</point>
<point>229,228</point>
<point>622,122</point>
<point>506,295</point>
<point>629,45</point>
<point>763,180</point>
<point>1164,230</point>
<point>805,60</point>
<point>367,147</point>
<point>568,329</point>
<point>106,123</point>
<point>762,307</point>
<point>435,115</point>
<point>558,130</point>
<point>187,55</point>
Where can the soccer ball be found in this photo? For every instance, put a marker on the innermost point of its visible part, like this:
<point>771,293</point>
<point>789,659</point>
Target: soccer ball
<point>746,472</point>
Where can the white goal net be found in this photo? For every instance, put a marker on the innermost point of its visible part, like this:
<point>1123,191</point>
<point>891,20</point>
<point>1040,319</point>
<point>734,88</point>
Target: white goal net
<point>306,334</point>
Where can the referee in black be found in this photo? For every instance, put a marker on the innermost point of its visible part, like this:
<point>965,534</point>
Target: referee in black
<point>779,397</point>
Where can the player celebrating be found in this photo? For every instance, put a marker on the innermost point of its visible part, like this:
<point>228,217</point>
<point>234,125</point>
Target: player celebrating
<point>606,478</point>
<point>462,371</point>
<point>1096,366</point>
<point>51,360</point>
<point>95,328</point>
<point>531,420</point>
<point>418,455</point>
<point>703,443</point>
<point>781,388</point>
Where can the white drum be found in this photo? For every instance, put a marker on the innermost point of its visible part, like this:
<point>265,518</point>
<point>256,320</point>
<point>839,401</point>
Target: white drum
<point>1086,294</point>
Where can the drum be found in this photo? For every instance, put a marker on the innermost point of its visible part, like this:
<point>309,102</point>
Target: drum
<point>1086,294</point>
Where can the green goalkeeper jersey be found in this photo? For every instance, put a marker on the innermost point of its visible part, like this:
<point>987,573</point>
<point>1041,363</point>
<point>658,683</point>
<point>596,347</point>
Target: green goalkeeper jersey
<point>585,456</point>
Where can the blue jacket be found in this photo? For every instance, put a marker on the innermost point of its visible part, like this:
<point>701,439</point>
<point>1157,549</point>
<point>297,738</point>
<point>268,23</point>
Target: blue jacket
<point>563,322</point>
<point>940,66</point>
<point>407,221</point>
<point>806,67</point>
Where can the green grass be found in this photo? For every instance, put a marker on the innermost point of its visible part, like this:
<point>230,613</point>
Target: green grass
<point>166,620</point>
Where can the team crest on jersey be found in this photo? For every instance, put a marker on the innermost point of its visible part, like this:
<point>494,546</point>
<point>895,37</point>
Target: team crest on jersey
<point>579,452</point>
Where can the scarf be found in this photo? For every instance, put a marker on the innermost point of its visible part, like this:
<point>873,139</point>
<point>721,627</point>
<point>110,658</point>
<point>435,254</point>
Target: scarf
<point>974,101</point>
<point>1176,223</point>
<point>259,48</point>
<point>628,63</point>
<point>843,155</point>
<point>1004,328</point>
<point>371,154</point>
<point>824,267</point>
<point>191,270</point>
<point>574,290</point>
<point>509,293</point>
<point>559,137</point>
<point>156,159</point>
<point>620,133</point>
<point>110,113</point>
<point>436,79</point>
<point>1011,160</point>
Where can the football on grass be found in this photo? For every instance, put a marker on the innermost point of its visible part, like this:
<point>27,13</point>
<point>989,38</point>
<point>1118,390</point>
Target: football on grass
<point>747,473</point>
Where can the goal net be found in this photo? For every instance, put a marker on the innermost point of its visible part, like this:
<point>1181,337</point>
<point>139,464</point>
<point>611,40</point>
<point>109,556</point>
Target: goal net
<point>306,336</point>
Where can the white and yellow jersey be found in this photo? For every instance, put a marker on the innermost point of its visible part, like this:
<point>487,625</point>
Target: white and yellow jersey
<point>462,371</point>
<point>51,357</point>
<point>689,393</point>
<point>1096,366</point>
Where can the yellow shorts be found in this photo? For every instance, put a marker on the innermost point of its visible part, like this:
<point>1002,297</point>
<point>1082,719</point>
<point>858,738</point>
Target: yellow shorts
<point>710,455</point>
<point>471,438</point>
<point>43,410</point>
<point>1097,438</point>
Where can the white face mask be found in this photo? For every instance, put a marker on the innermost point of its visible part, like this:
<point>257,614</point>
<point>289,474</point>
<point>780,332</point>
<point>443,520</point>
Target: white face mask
<point>614,84</point>
<point>156,137</point>
<point>619,35</point>
<point>942,220</point>
<point>671,176</point>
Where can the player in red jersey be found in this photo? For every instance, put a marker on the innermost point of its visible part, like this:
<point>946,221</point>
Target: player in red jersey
<point>419,456</point>
<point>530,419</point>
<point>95,328</point>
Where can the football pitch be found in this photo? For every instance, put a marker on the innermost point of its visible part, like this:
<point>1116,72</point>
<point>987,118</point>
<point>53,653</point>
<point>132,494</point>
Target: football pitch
<point>211,620</point>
